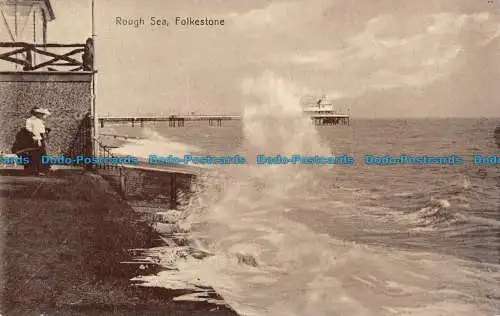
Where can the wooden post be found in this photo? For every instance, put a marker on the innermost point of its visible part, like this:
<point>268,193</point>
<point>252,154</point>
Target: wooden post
<point>95,118</point>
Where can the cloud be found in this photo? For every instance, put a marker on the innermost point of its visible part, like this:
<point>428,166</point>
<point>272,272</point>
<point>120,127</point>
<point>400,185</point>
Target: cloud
<point>448,23</point>
<point>380,58</point>
<point>314,58</point>
<point>343,48</point>
<point>278,15</point>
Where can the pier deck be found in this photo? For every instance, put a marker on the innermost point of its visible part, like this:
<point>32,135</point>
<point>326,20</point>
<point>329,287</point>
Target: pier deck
<point>174,120</point>
<point>214,120</point>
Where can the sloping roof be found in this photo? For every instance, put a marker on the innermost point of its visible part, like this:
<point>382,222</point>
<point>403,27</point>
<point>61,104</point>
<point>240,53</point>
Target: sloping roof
<point>50,10</point>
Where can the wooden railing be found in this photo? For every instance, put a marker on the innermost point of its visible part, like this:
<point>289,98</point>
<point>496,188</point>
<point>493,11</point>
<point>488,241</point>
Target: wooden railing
<point>116,173</point>
<point>104,151</point>
<point>82,139</point>
<point>123,179</point>
<point>54,57</point>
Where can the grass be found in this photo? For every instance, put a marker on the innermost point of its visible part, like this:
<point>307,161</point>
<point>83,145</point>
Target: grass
<point>63,239</point>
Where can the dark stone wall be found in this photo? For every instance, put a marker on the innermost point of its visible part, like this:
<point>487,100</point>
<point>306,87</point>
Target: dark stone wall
<point>153,186</point>
<point>66,94</point>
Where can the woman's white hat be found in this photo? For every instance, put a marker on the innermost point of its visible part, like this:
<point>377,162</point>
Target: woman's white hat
<point>41,111</point>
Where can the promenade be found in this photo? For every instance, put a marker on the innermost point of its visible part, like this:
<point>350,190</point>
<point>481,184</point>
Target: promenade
<point>64,238</point>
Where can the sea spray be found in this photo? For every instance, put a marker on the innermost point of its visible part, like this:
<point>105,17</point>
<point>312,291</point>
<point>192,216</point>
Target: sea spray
<point>262,258</point>
<point>263,263</point>
<point>273,119</point>
<point>153,143</point>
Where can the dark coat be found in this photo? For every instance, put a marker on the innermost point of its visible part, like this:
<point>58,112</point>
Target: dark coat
<point>24,142</point>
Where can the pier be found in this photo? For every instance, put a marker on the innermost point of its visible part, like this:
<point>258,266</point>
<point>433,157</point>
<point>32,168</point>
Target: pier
<point>213,120</point>
<point>173,120</point>
<point>332,119</point>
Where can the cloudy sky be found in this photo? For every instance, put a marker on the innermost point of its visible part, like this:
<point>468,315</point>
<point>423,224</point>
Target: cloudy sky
<point>386,58</point>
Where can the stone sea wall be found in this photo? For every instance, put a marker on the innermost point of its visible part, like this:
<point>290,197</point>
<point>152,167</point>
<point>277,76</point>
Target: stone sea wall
<point>66,94</point>
<point>154,186</point>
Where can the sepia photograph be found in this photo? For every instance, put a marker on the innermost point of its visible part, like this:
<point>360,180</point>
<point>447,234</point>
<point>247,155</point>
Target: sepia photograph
<point>251,158</point>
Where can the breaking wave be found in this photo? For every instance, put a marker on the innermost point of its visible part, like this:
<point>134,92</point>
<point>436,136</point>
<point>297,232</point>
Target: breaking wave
<point>151,142</point>
<point>240,241</point>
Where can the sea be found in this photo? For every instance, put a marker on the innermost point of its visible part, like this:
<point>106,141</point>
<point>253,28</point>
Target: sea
<point>352,240</point>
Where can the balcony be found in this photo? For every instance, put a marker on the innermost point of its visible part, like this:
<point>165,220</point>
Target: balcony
<point>21,56</point>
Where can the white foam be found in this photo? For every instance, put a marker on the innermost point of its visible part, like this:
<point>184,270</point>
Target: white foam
<point>156,144</point>
<point>263,263</point>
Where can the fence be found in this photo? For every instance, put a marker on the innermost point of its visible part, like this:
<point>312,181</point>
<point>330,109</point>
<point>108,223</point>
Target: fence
<point>136,183</point>
<point>32,57</point>
<point>142,184</point>
<point>82,142</point>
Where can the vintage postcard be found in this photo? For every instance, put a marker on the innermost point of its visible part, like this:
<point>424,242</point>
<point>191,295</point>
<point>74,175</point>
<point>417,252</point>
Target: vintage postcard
<point>253,158</point>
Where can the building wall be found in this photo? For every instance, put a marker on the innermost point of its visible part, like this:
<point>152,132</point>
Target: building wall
<point>66,94</point>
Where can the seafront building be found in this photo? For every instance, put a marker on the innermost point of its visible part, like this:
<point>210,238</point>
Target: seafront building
<point>24,21</point>
<point>34,71</point>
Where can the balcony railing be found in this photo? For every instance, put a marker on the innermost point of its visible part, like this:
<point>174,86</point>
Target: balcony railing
<point>52,57</point>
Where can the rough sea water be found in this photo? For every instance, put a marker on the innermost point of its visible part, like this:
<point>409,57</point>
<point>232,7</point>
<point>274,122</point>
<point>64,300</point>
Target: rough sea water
<point>337,240</point>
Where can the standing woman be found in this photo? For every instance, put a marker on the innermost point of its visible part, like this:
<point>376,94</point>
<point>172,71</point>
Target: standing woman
<point>30,142</point>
